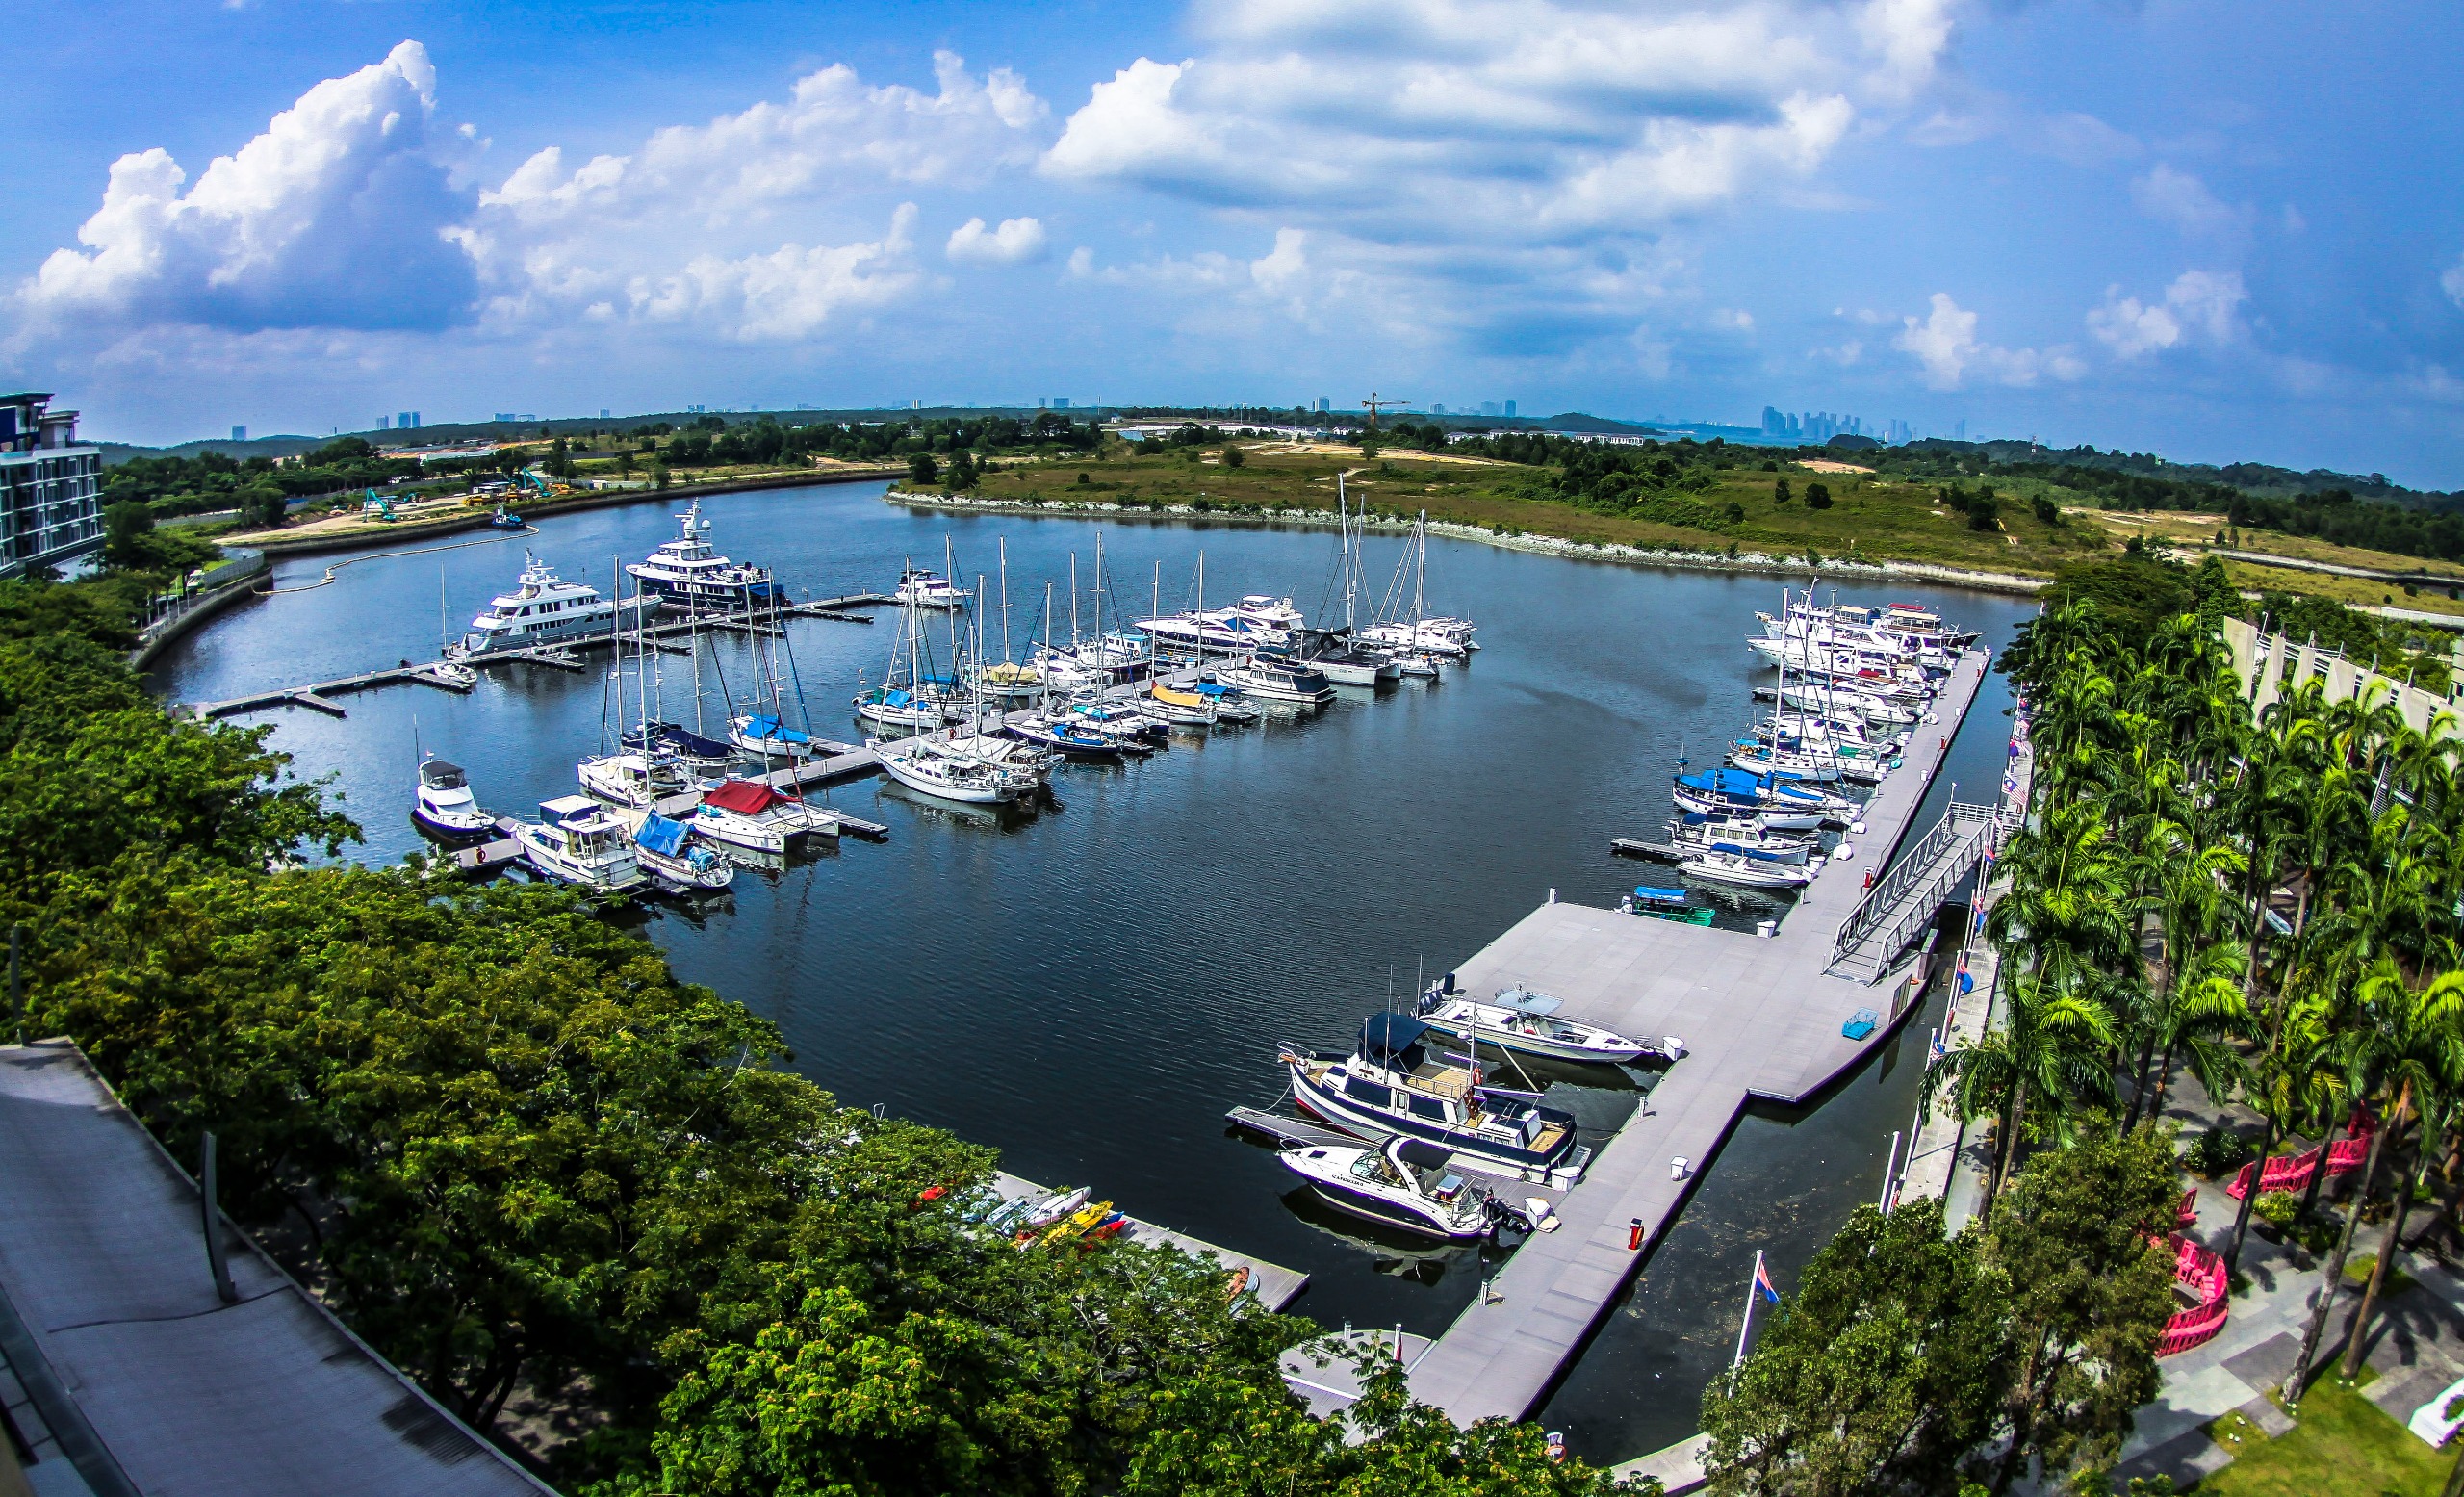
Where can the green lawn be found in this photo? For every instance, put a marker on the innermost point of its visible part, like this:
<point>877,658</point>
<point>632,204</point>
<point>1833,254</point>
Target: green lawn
<point>2345,1447</point>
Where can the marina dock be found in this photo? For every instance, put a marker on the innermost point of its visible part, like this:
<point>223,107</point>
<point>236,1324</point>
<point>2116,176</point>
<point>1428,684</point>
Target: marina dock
<point>1762,1018</point>
<point>316,695</point>
<point>1275,1286</point>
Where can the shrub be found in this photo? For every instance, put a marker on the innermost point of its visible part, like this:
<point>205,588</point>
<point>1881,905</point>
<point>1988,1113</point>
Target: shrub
<point>1817,496</point>
<point>2217,1151</point>
<point>2278,1207</point>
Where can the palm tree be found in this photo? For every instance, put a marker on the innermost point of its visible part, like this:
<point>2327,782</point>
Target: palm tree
<point>2300,1076</point>
<point>2429,1053</point>
<point>2054,1048</point>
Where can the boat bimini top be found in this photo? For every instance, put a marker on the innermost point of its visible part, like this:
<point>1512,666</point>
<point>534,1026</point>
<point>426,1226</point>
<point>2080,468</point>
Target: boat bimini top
<point>1523,1000</point>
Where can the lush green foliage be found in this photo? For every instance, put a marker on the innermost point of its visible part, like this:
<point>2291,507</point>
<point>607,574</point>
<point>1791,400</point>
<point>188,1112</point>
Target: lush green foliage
<point>521,1157</point>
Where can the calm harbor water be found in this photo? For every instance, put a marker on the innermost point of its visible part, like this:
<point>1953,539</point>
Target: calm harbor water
<point>1090,986</point>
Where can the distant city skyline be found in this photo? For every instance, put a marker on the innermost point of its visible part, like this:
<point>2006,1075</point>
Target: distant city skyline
<point>2161,228</point>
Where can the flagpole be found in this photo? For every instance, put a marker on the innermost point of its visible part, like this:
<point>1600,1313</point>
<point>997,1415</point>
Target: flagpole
<point>1751,1288</point>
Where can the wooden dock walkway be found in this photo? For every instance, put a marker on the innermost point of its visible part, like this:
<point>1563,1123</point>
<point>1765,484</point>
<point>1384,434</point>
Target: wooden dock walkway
<point>1761,1018</point>
<point>1275,1286</point>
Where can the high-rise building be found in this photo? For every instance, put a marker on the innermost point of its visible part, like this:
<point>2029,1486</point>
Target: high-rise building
<point>1437,410</point>
<point>239,434</point>
<point>409,420</point>
<point>384,422</point>
<point>1061,402</point>
<point>1488,407</point>
<point>1959,429</point>
<point>602,415</point>
<point>1509,407</point>
<point>51,488</point>
<point>1324,404</point>
<point>1775,424</point>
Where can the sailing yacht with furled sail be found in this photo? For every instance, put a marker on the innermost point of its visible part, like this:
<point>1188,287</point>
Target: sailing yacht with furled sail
<point>1412,628</point>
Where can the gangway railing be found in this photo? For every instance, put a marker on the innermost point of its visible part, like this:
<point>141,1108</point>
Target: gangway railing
<point>1896,908</point>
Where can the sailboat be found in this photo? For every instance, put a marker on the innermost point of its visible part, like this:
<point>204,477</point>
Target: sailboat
<point>452,672</point>
<point>767,733</point>
<point>910,696</point>
<point>637,777</point>
<point>1343,658</point>
<point>662,848</point>
<point>1415,630</point>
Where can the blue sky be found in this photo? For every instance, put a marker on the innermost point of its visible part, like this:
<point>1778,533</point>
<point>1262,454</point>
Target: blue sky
<point>2214,231</point>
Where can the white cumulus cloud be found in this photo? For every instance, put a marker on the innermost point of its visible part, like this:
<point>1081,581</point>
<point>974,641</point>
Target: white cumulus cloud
<point>336,216</point>
<point>2183,201</point>
<point>2452,281</point>
<point>1945,344</point>
<point>1015,242</point>
<point>789,293</point>
<point>2200,304</point>
<point>1516,121</point>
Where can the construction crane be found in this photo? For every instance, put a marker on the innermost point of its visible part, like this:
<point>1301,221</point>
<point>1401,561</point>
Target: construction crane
<point>1375,404</point>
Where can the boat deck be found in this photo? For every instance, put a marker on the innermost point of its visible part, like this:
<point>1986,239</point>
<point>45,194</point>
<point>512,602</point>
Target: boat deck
<point>1275,1286</point>
<point>1759,1019</point>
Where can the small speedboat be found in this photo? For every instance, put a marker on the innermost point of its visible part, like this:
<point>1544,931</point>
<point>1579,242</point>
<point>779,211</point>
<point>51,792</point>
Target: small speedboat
<point>505,520</point>
<point>1389,1086</point>
<point>443,804</point>
<point>1229,708</point>
<point>672,860</point>
<point>1393,1187</point>
<point>1743,872</point>
<point>1667,904</point>
<point>1518,1019</point>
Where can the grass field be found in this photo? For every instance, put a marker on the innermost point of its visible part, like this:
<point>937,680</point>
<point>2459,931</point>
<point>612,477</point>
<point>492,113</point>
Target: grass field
<point>2350,591</point>
<point>1869,519</point>
<point>2346,1446</point>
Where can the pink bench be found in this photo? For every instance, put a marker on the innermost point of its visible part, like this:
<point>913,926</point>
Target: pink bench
<point>2204,1272</point>
<point>2291,1172</point>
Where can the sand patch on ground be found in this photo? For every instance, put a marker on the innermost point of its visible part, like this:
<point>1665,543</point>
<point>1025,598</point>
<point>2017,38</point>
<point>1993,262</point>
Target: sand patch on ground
<point>1830,465</point>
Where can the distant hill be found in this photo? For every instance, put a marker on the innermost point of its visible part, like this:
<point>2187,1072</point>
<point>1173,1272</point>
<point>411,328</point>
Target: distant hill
<point>2259,478</point>
<point>116,452</point>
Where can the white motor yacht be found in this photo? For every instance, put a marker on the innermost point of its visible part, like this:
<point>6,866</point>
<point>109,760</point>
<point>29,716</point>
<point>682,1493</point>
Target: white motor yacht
<point>544,609</point>
<point>1738,870</point>
<point>919,588</point>
<point>749,813</point>
<point>443,804</point>
<point>577,842</point>
<point>1386,1186</point>
<point>1388,1087</point>
<point>689,573</point>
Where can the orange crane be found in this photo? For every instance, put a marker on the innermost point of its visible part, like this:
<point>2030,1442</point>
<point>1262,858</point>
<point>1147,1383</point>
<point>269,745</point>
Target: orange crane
<point>1375,404</point>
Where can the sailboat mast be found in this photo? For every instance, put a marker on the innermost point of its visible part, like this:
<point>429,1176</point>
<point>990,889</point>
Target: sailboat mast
<point>1006,658</point>
<point>1073,602</point>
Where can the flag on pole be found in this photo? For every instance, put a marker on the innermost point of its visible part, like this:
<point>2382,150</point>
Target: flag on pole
<point>1762,1281</point>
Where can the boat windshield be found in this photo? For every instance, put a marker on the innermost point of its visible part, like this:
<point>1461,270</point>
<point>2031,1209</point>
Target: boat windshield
<point>438,775</point>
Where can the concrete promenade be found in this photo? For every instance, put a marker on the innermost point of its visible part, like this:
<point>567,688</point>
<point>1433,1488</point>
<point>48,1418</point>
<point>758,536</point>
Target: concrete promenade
<point>1759,1019</point>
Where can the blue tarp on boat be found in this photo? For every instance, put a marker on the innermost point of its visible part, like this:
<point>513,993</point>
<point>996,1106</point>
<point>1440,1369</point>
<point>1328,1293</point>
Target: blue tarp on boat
<point>772,729</point>
<point>661,835</point>
<point>1649,895</point>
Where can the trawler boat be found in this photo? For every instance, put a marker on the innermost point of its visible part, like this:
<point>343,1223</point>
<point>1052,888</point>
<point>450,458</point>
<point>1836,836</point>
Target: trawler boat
<point>931,768</point>
<point>750,815</point>
<point>1272,679</point>
<point>688,573</point>
<point>671,862</point>
<point>1521,1019</point>
<point>630,778</point>
<point>1695,832</point>
<point>577,842</point>
<point>544,609</point>
<point>919,588</point>
<point>443,806</point>
<point>1388,1087</point>
<point>1391,1187</point>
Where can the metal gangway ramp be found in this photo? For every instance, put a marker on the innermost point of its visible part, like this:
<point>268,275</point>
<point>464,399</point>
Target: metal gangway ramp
<point>1896,910</point>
